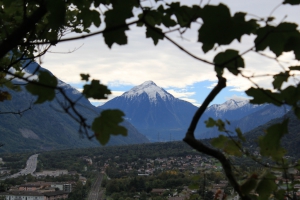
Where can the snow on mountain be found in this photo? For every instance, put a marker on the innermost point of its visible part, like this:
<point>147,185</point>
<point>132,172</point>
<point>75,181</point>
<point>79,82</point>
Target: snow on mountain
<point>66,86</point>
<point>232,109</point>
<point>151,89</point>
<point>231,104</point>
<point>153,111</point>
<point>160,116</point>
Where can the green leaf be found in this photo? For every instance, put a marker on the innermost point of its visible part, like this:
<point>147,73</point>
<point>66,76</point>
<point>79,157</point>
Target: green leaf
<point>154,33</point>
<point>295,68</point>
<point>266,186</point>
<point>115,20</point>
<point>95,17</point>
<point>108,124</point>
<point>153,17</point>
<point>85,77</point>
<point>219,142</point>
<point>4,96</point>
<point>229,59</point>
<point>57,10</point>
<point>44,87</point>
<point>291,95</point>
<point>292,2</point>
<point>168,21</point>
<point>293,44</point>
<point>240,134</point>
<point>270,143</point>
<point>232,147</point>
<point>220,28</point>
<point>261,96</point>
<point>210,122</point>
<point>284,37</point>
<point>220,124</point>
<point>95,90</point>
<point>249,184</point>
<point>116,35</point>
<point>279,79</point>
<point>185,15</point>
<point>229,146</point>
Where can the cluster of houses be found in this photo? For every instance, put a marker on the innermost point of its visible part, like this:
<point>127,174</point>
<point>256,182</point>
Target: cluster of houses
<point>39,191</point>
<point>216,189</point>
<point>193,164</point>
<point>187,163</point>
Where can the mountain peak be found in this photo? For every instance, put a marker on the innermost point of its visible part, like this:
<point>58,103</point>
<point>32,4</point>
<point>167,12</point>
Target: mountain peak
<point>148,83</point>
<point>149,88</point>
<point>236,103</point>
<point>230,104</point>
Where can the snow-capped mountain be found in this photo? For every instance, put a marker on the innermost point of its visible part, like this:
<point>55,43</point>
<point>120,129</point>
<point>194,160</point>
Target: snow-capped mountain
<point>153,111</point>
<point>43,127</point>
<point>232,109</point>
<point>162,117</point>
<point>246,116</point>
<point>151,89</point>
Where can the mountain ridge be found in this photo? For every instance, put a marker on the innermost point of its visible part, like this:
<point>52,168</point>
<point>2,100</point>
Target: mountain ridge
<point>42,127</point>
<point>160,116</point>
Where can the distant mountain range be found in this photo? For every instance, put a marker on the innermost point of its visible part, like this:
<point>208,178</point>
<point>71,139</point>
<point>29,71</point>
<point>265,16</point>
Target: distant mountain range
<point>152,114</point>
<point>153,111</point>
<point>161,117</point>
<point>43,127</point>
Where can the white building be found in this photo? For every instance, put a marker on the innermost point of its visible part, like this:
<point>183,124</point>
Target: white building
<point>22,195</point>
<point>67,187</point>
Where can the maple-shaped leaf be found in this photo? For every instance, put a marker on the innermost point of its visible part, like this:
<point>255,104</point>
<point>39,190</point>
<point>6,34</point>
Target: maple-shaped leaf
<point>108,123</point>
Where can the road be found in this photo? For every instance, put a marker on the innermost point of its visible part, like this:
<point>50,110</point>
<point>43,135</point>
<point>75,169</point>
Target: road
<point>29,169</point>
<point>96,193</point>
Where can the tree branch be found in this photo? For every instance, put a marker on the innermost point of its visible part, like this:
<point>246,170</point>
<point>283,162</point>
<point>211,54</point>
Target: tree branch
<point>20,112</point>
<point>82,36</point>
<point>199,146</point>
<point>221,84</point>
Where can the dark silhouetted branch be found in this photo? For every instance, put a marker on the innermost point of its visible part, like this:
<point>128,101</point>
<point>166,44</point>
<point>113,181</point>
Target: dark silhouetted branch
<point>199,146</point>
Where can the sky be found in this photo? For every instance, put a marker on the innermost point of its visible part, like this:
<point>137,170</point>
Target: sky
<point>123,67</point>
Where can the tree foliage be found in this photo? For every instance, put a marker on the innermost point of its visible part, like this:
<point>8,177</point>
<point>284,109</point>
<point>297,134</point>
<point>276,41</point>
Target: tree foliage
<point>31,27</point>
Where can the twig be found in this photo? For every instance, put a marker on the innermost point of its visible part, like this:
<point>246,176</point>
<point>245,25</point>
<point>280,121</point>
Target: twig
<point>82,36</point>
<point>20,112</point>
<point>199,146</point>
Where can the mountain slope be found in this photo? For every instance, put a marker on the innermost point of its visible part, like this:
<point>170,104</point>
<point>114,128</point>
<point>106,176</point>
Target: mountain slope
<point>232,109</point>
<point>43,127</point>
<point>257,116</point>
<point>153,111</point>
<point>162,117</point>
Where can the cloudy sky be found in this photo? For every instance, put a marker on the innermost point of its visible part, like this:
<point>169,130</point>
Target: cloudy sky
<point>123,67</point>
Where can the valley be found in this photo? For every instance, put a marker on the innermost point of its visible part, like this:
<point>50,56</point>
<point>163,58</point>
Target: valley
<point>150,163</point>
<point>160,171</point>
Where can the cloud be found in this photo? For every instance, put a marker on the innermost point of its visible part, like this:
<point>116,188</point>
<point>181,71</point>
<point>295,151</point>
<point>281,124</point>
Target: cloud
<point>192,101</point>
<point>180,94</point>
<point>184,95</point>
<point>165,64</point>
<point>211,86</point>
<point>235,97</point>
<point>99,102</point>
